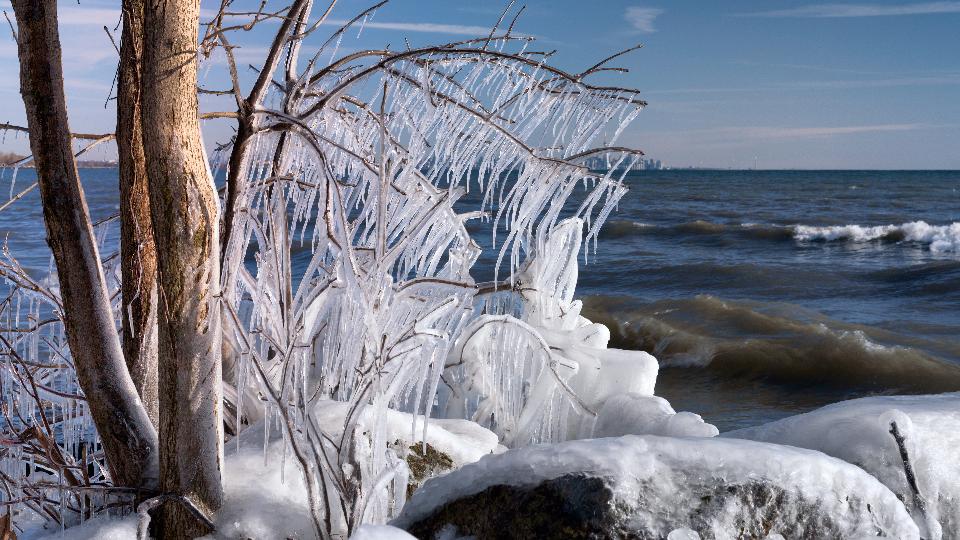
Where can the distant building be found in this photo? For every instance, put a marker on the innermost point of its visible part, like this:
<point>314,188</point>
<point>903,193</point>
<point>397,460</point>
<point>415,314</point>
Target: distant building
<point>605,162</point>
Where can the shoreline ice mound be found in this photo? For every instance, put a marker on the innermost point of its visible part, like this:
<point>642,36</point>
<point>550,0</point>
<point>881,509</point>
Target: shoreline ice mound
<point>543,372</point>
<point>647,486</point>
<point>633,414</point>
<point>858,431</point>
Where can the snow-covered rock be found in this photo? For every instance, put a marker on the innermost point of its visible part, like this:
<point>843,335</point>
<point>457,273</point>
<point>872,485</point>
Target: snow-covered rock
<point>858,431</point>
<point>647,486</point>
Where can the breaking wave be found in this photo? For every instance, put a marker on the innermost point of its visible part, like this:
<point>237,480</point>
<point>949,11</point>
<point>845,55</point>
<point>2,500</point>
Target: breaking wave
<point>940,238</point>
<point>777,342</point>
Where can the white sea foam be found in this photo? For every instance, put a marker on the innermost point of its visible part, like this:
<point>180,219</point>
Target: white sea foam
<point>940,238</point>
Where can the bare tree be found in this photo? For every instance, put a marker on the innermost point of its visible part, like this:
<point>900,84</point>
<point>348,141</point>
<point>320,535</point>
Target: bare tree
<point>185,216</point>
<point>129,439</point>
<point>137,248</point>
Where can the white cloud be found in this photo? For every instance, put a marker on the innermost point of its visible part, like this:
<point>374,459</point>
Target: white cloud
<point>642,18</point>
<point>862,10</point>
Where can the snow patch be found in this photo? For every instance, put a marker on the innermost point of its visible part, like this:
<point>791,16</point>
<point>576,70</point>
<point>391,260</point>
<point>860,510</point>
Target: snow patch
<point>99,528</point>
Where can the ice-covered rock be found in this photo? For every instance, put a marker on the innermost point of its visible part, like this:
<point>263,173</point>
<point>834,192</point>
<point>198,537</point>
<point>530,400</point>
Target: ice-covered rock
<point>647,486</point>
<point>858,431</point>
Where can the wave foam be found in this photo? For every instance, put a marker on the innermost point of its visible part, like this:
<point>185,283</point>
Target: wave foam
<point>940,238</point>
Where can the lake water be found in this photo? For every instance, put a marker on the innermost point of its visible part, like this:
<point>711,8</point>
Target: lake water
<point>762,293</point>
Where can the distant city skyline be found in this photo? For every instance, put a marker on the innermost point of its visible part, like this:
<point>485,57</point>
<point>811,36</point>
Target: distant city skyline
<point>737,84</point>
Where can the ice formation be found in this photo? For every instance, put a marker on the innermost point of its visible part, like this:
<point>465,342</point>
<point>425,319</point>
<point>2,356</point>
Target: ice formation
<point>858,431</point>
<point>538,371</point>
<point>663,483</point>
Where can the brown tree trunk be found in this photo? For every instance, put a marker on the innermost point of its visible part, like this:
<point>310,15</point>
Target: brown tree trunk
<point>185,214</point>
<point>129,439</point>
<point>137,250</point>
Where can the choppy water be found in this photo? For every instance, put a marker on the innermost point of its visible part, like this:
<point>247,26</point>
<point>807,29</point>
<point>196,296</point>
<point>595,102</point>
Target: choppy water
<point>762,293</point>
<point>765,293</point>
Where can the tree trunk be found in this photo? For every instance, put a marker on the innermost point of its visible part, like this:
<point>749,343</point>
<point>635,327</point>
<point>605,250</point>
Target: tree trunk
<point>185,214</point>
<point>129,439</point>
<point>137,250</point>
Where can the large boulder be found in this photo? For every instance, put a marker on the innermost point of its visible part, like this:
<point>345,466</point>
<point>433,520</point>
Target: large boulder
<point>648,486</point>
<point>858,431</point>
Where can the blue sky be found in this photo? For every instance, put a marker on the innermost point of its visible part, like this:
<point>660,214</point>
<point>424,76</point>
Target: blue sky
<point>795,84</point>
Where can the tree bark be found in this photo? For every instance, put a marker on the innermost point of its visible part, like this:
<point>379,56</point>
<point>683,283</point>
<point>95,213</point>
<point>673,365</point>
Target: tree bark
<point>185,215</point>
<point>137,249</point>
<point>129,439</point>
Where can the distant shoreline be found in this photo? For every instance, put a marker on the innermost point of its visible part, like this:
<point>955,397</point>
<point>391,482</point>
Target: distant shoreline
<point>81,165</point>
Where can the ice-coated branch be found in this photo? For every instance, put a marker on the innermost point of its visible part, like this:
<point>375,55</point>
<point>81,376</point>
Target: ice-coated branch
<point>901,441</point>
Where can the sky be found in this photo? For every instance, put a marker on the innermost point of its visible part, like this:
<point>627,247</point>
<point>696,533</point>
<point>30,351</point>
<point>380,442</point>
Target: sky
<point>732,84</point>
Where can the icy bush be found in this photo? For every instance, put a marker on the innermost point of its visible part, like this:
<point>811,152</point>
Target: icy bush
<point>365,165</point>
<point>348,274</point>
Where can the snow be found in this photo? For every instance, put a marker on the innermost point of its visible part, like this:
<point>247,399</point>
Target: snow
<point>263,501</point>
<point>267,499</point>
<point>858,431</point>
<point>99,528</point>
<point>380,532</point>
<point>661,469</point>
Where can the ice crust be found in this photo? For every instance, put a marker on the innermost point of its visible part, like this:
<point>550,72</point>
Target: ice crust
<point>858,431</point>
